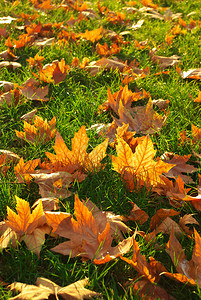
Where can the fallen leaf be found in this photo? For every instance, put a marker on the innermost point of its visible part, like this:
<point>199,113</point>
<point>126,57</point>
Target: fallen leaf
<point>180,166</point>
<point>187,219</point>
<point>104,50</point>
<point>31,90</point>
<point>23,170</point>
<point>198,99</point>
<point>77,158</point>
<point>162,104</point>
<point>53,185</point>
<point>163,61</point>
<point>46,288</point>
<point>7,20</point>
<point>7,86</point>
<point>10,65</point>
<point>88,237</point>
<point>141,119</point>
<point>40,132</point>
<point>136,215</point>
<point>137,25</point>
<point>25,226</point>
<point>93,35</point>
<point>105,64</point>
<point>188,271</point>
<point>191,74</point>
<point>161,215</point>
<point>43,42</point>
<point>54,72</point>
<point>138,167</point>
<point>50,203</point>
<point>115,221</point>
<point>29,116</point>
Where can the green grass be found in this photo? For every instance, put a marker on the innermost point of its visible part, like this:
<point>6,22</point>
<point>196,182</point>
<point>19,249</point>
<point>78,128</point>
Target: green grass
<point>75,102</point>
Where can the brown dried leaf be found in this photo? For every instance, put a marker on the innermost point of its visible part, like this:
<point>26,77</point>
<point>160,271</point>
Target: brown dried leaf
<point>163,61</point>
<point>31,90</point>
<point>180,166</point>
<point>10,65</point>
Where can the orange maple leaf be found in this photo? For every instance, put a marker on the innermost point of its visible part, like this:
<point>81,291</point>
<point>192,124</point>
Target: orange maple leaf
<point>54,72</point>
<point>25,226</point>
<point>93,35</point>
<point>141,119</point>
<point>77,158</point>
<point>139,166</point>
<point>23,170</point>
<point>104,50</point>
<point>40,132</point>
<point>90,237</point>
<point>148,275</point>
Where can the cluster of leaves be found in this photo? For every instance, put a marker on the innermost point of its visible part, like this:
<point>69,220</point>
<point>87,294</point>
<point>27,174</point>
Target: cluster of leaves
<point>99,237</point>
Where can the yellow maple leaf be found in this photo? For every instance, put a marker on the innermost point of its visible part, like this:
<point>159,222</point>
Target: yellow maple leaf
<point>140,165</point>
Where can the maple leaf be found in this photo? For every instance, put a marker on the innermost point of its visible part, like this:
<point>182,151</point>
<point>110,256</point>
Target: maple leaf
<point>163,61</point>
<point>177,193</point>
<point>136,215</point>
<point>46,288</point>
<point>36,61</point>
<point>139,165</point>
<point>198,99</point>
<point>7,157</point>
<point>150,274</point>
<point>187,219</point>
<point>115,221</point>
<point>25,226</point>
<point>141,119</point>
<point>23,170</point>
<point>180,166</point>
<point>53,185</point>
<point>54,72</point>
<point>40,132</point>
<point>105,64</point>
<point>31,90</point>
<point>90,237</point>
<point>196,136</point>
<point>104,50</point>
<point>7,85</point>
<point>126,96</point>
<point>69,161</point>
<point>93,35</point>
<point>188,271</point>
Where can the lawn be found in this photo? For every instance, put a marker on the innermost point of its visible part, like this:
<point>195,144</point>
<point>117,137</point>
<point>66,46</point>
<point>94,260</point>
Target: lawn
<point>100,131</point>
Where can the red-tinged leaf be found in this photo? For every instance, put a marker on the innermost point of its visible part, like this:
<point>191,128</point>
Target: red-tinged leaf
<point>31,90</point>
<point>188,271</point>
<point>180,166</point>
<point>136,215</point>
<point>161,215</point>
